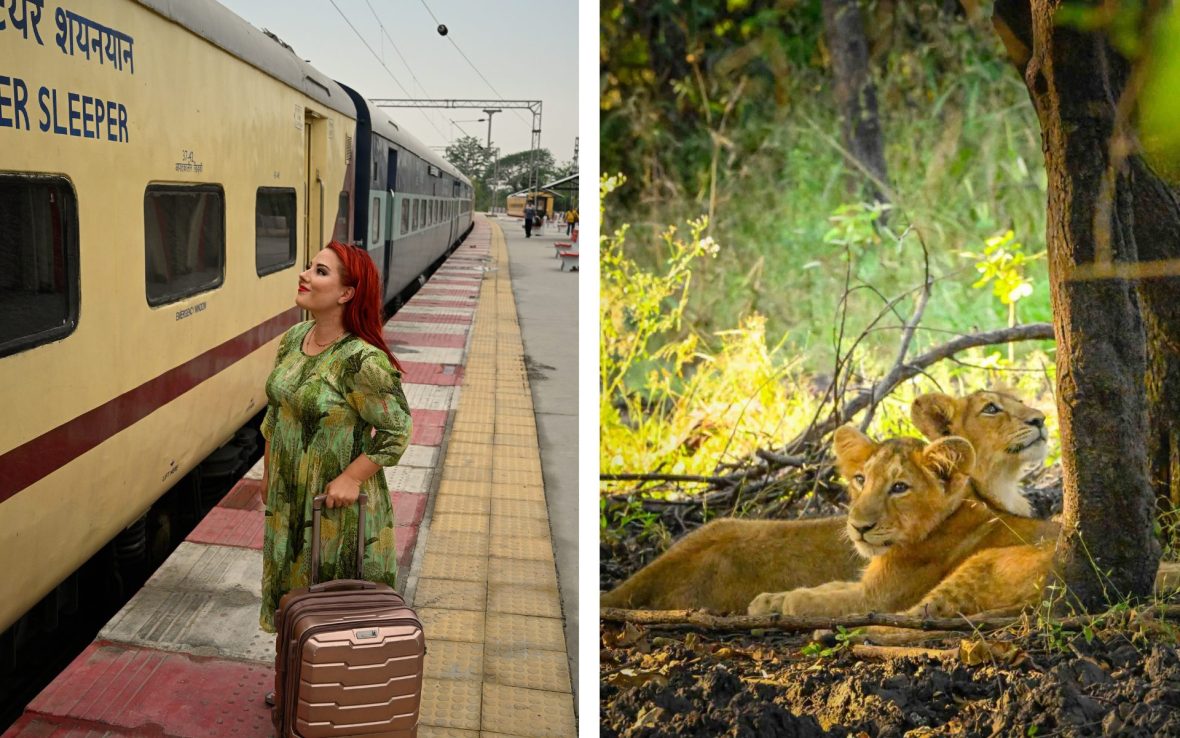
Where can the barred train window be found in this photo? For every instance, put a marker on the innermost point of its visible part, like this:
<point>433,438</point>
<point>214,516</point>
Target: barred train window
<point>375,229</point>
<point>38,261</point>
<point>416,211</point>
<point>274,229</point>
<point>184,240</point>
<point>405,217</point>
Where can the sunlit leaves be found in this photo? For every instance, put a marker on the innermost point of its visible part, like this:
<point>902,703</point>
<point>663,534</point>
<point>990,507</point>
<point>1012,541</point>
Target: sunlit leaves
<point>1159,104</point>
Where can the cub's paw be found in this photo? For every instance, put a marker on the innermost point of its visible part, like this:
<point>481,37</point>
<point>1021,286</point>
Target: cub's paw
<point>767,603</point>
<point>803,601</point>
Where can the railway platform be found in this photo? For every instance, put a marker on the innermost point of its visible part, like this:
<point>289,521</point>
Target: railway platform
<point>483,499</point>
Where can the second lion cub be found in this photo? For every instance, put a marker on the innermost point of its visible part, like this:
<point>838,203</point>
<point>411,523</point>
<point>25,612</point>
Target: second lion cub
<point>934,545</point>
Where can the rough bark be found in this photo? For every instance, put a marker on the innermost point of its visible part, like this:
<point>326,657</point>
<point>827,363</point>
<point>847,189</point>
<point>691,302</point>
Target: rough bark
<point>1075,81</point>
<point>856,96</point>
<point>1157,231</point>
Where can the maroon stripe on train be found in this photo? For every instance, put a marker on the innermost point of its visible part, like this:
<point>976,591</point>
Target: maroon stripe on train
<point>45,454</point>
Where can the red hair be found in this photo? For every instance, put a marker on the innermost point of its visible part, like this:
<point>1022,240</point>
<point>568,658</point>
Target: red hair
<point>362,314</point>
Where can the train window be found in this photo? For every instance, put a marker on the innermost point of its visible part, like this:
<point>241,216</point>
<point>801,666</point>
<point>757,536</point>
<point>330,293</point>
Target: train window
<point>405,216</point>
<point>274,229</point>
<point>184,240</point>
<point>38,261</point>
<point>375,228</point>
<point>417,211</point>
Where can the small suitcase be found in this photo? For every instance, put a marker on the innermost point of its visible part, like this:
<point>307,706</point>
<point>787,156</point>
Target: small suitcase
<point>348,655</point>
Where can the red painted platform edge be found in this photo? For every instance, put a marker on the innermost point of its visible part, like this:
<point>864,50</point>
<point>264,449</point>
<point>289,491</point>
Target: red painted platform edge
<point>408,508</point>
<point>245,495</point>
<point>147,692</point>
<point>224,526</point>
<point>44,726</point>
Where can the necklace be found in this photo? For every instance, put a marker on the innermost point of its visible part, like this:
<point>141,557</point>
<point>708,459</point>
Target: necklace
<point>311,333</point>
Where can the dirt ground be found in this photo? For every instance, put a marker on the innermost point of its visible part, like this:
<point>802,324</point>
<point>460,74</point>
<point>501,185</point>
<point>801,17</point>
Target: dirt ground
<point>1119,680</point>
<point>694,685</point>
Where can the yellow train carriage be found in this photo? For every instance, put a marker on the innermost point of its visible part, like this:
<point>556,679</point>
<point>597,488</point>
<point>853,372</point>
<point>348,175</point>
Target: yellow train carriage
<point>158,195</point>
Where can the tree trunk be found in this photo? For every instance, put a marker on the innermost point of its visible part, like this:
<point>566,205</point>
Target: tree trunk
<point>856,96</point>
<point>1075,81</point>
<point>1157,231</point>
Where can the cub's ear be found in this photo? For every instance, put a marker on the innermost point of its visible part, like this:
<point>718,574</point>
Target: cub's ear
<point>949,456</point>
<point>852,448</point>
<point>932,414</point>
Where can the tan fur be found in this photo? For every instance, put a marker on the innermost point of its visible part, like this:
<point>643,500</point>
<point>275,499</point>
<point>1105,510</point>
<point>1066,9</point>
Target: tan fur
<point>723,565</point>
<point>1008,442</point>
<point>916,512</point>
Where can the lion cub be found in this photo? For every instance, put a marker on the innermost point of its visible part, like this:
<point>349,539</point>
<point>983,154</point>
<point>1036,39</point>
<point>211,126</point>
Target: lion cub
<point>917,516</point>
<point>723,565</point>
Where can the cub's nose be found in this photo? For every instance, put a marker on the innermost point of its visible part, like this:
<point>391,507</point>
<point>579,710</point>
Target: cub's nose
<point>862,529</point>
<point>1038,422</point>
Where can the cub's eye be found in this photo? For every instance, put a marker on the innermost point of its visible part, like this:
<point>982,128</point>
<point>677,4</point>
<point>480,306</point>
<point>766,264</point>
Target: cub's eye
<point>898,488</point>
<point>991,409</point>
<point>859,478</point>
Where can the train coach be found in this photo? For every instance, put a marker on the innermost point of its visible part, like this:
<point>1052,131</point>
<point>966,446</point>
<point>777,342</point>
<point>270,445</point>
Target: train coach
<point>166,171</point>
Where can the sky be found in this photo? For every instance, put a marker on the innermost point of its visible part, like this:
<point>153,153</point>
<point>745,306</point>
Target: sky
<point>527,50</point>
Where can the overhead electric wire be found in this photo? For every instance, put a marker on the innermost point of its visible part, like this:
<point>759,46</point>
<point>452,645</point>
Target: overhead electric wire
<point>470,64</point>
<point>397,51</point>
<point>382,63</point>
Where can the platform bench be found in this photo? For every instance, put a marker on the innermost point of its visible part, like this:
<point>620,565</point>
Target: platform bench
<point>570,259</point>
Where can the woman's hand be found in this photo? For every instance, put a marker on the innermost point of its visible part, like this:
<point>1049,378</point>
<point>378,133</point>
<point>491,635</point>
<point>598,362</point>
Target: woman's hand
<point>342,491</point>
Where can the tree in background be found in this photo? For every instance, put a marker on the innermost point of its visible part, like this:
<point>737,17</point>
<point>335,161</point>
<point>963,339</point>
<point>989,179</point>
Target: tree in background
<point>469,156</point>
<point>473,159</point>
<point>514,169</point>
<point>856,97</point>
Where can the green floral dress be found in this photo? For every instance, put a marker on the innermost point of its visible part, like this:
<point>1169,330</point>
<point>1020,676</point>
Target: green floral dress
<point>323,412</point>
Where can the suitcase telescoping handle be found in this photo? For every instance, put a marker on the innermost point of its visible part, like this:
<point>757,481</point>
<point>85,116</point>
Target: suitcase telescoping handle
<point>317,503</point>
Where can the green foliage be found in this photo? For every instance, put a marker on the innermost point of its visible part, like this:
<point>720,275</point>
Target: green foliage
<point>670,404</point>
<point>962,148</point>
<point>843,638</point>
<point>706,358</point>
<point>469,156</point>
<point>1004,265</point>
<point>513,171</point>
<point>1159,106</point>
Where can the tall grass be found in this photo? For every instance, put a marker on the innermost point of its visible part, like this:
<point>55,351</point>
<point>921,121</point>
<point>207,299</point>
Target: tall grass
<point>737,347</point>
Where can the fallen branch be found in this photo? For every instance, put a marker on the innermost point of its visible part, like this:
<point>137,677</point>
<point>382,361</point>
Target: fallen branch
<point>908,370</point>
<point>702,620</point>
<point>653,477</point>
<point>791,623</point>
<point>888,653</point>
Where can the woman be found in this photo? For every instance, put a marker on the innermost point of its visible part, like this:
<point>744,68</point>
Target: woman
<point>336,415</point>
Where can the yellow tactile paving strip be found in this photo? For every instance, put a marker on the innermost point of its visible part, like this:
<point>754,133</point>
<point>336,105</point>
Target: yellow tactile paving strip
<point>496,664</point>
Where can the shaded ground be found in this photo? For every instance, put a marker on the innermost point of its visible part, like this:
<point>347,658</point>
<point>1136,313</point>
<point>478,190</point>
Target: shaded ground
<point>689,685</point>
<point>1123,680</point>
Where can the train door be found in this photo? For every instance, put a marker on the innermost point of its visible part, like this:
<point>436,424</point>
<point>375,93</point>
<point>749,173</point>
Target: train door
<point>314,142</point>
<point>394,208</point>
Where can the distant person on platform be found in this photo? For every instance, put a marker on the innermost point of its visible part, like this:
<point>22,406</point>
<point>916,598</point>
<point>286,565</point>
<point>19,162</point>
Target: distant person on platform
<point>529,214</point>
<point>571,220</point>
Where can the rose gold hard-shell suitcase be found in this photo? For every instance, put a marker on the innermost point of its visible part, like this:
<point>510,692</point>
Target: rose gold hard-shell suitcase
<point>348,656</point>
